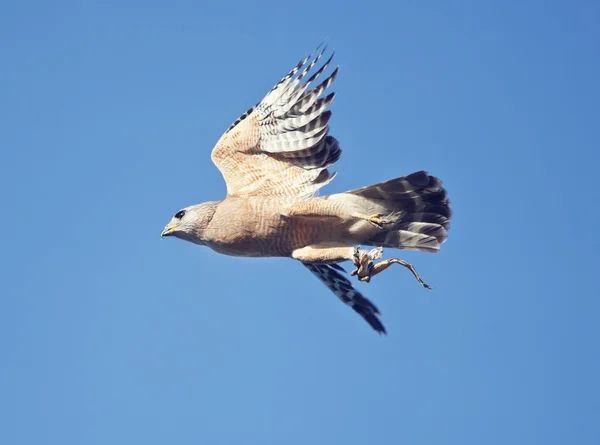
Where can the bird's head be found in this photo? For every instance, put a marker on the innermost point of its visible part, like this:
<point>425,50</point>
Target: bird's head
<point>190,223</point>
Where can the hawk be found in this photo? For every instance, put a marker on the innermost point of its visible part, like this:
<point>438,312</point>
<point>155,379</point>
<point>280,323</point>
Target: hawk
<point>274,160</point>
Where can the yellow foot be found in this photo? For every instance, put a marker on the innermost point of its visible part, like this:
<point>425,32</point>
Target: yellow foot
<point>375,220</point>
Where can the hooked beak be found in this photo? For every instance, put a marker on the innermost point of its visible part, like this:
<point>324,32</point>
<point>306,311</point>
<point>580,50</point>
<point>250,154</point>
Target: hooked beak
<point>168,230</point>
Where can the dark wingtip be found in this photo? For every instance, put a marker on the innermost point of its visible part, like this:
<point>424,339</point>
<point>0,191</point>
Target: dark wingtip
<point>371,318</point>
<point>377,325</point>
<point>330,275</point>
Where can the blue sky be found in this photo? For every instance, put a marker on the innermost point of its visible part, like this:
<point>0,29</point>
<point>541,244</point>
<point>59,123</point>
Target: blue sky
<point>108,113</point>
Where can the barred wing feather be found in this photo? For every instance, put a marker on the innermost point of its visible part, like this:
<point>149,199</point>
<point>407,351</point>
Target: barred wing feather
<point>281,146</point>
<point>330,276</point>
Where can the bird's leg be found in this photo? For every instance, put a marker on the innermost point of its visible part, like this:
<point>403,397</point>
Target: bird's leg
<point>375,219</point>
<point>323,255</point>
<point>366,269</point>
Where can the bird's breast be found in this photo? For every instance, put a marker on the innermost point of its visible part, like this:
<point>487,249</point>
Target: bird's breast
<point>269,226</point>
<point>248,228</point>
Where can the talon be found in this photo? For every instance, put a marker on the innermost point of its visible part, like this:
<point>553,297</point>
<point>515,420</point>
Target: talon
<point>375,220</point>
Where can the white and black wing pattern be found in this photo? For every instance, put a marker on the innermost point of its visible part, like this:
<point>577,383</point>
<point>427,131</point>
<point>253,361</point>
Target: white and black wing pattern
<point>292,119</point>
<point>281,146</point>
<point>330,275</point>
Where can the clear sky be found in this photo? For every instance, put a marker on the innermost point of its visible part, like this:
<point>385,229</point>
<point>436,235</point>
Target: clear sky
<point>108,335</point>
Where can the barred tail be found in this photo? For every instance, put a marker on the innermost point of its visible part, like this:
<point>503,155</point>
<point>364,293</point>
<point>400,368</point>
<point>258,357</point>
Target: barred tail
<point>416,207</point>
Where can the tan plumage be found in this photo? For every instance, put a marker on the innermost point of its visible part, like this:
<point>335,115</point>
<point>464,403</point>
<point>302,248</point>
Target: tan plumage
<point>274,159</point>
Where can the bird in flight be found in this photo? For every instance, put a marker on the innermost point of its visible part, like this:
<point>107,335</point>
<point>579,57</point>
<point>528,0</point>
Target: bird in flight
<point>274,159</point>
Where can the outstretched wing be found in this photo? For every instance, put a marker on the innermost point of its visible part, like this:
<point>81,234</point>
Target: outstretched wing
<point>344,290</point>
<point>281,147</point>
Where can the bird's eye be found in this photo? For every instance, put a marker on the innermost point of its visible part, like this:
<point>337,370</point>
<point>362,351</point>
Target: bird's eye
<point>180,214</point>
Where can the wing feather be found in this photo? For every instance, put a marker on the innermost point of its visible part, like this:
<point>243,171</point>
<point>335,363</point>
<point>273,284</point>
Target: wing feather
<point>282,146</point>
<point>342,288</point>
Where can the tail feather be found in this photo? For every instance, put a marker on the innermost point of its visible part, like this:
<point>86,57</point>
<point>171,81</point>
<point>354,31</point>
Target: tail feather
<point>425,228</point>
<point>416,207</point>
<point>403,239</point>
